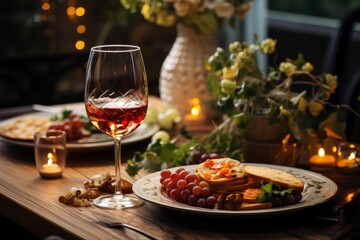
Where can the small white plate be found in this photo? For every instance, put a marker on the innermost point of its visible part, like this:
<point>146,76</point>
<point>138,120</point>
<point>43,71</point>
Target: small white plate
<point>318,189</point>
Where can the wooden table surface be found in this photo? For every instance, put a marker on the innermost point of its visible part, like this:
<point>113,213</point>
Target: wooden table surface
<point>32,202</point>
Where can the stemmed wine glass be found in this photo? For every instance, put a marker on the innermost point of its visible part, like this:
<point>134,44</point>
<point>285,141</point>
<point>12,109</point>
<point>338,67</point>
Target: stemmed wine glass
<point>116,100</point>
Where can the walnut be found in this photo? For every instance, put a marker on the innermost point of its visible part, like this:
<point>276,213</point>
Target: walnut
<point>67,199</point>
<point>230,201</point>
<point>126,186</point>
<point>80,192</point>
<point>83,202</point>
<point>93,193</point>
<point>101,182</point>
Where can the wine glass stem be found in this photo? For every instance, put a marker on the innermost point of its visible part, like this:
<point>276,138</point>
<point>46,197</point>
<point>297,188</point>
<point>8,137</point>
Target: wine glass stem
<point>117,146</point>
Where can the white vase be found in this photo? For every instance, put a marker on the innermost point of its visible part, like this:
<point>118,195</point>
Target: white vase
<point>183,76</point>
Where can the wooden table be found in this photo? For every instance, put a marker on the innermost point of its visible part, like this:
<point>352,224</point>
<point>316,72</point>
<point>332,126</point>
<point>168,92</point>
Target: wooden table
<point>32,202</point>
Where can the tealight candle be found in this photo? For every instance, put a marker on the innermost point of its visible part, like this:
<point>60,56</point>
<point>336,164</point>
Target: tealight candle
<point>50,153</point>
<point>195,114</point>
<point>322,159</point>
<point>349,159</point>
<point>50,169</point>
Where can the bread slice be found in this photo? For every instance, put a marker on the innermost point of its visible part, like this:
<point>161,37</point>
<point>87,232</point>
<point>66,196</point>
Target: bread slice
<point>239,187</point>
<point>221,171</point>
<point>255,206</point>
<point>282,178</point>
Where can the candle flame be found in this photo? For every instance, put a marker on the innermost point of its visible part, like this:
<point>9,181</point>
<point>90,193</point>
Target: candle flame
<point>195,111</point>
<point>334,149</point>
<point>196,108</point>
<point>50,159</point>
<point>321,152</point>
<point>352,146</point>
<point>352,156</point>
<point>195,101</point>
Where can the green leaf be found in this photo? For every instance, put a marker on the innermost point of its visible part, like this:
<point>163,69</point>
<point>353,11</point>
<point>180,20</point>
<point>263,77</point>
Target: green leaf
<point>266,194</point>
<point>134,165</point>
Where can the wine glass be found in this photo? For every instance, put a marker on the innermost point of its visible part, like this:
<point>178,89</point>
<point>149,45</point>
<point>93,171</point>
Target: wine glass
<point>116,100</point>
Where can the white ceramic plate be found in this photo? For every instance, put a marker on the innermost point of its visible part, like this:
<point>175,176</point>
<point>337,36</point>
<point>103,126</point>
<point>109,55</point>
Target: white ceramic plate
<point>318,189</point>
<point>97,141</point>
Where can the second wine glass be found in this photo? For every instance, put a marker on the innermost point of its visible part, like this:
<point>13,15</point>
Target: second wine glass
<point>116,100</point>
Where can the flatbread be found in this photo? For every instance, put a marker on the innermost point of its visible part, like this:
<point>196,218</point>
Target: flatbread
<point>23,128</point>
<point>282,178</point>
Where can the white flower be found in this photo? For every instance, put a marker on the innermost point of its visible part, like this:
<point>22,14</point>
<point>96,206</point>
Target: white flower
<point>253,48</point>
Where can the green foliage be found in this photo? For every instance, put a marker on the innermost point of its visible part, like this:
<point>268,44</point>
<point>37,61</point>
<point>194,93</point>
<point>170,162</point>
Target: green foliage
<point>270,189</point>
<point>293,95</point>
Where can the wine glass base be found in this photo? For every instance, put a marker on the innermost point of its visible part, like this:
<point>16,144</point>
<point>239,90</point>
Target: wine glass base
<point>117,202</point>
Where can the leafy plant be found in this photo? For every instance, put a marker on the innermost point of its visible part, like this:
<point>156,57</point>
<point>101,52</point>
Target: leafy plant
<point>291,93</point>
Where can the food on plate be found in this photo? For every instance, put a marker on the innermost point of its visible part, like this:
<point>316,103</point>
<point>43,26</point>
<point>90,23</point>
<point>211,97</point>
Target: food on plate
<point>93,187</point>
<point>186,187</point>
<point>74,125</point>
<point>282,178</point>
<point>230,185</point>
<point>225,174</point>
<point>221,170</point>
<point>23,128</point>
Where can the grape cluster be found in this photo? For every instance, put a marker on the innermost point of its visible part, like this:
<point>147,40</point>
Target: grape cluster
<point>185,187</point>
<point>165,119</point>
<point>72,126</point>
<point>200,155</point>
<point>286,199</point>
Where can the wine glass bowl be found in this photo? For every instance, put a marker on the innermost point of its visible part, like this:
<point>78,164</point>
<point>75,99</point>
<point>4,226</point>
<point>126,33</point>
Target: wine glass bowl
<point>116,100</point>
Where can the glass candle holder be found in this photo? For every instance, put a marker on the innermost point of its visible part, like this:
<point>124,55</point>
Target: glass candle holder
<point>323,154</point>
<point>348,157</point>
<point>50,153</point>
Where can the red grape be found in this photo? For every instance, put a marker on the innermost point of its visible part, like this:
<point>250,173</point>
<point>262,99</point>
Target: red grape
<point>192,200</point>
<point>191,177</point>
<point>175,194</point>
<point>183,174</point>
<point>204,157</point>
<point>201,202</point>
<point>211,201</point>
<point>196,155</point>
<point>175,177</point>
<point>197,190</point>
<point>205,192</point>
<point>185,194</point>
<point>182,184</point>
<point>166,182</point>
<point>165,173</point>
<point>179,170</point>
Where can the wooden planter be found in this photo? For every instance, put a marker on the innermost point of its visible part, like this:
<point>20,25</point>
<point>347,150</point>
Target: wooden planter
<point>262,141</point>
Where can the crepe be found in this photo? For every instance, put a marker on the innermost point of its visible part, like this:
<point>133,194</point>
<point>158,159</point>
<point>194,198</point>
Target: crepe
<point>23,128</point>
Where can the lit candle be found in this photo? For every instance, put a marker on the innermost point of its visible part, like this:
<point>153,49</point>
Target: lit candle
<point>50,169</point>
<point>350,162</point>
<point>195,112</point>
<point>322,159</point>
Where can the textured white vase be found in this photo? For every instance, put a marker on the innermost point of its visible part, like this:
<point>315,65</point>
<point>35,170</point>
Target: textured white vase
<point>183,76</point>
